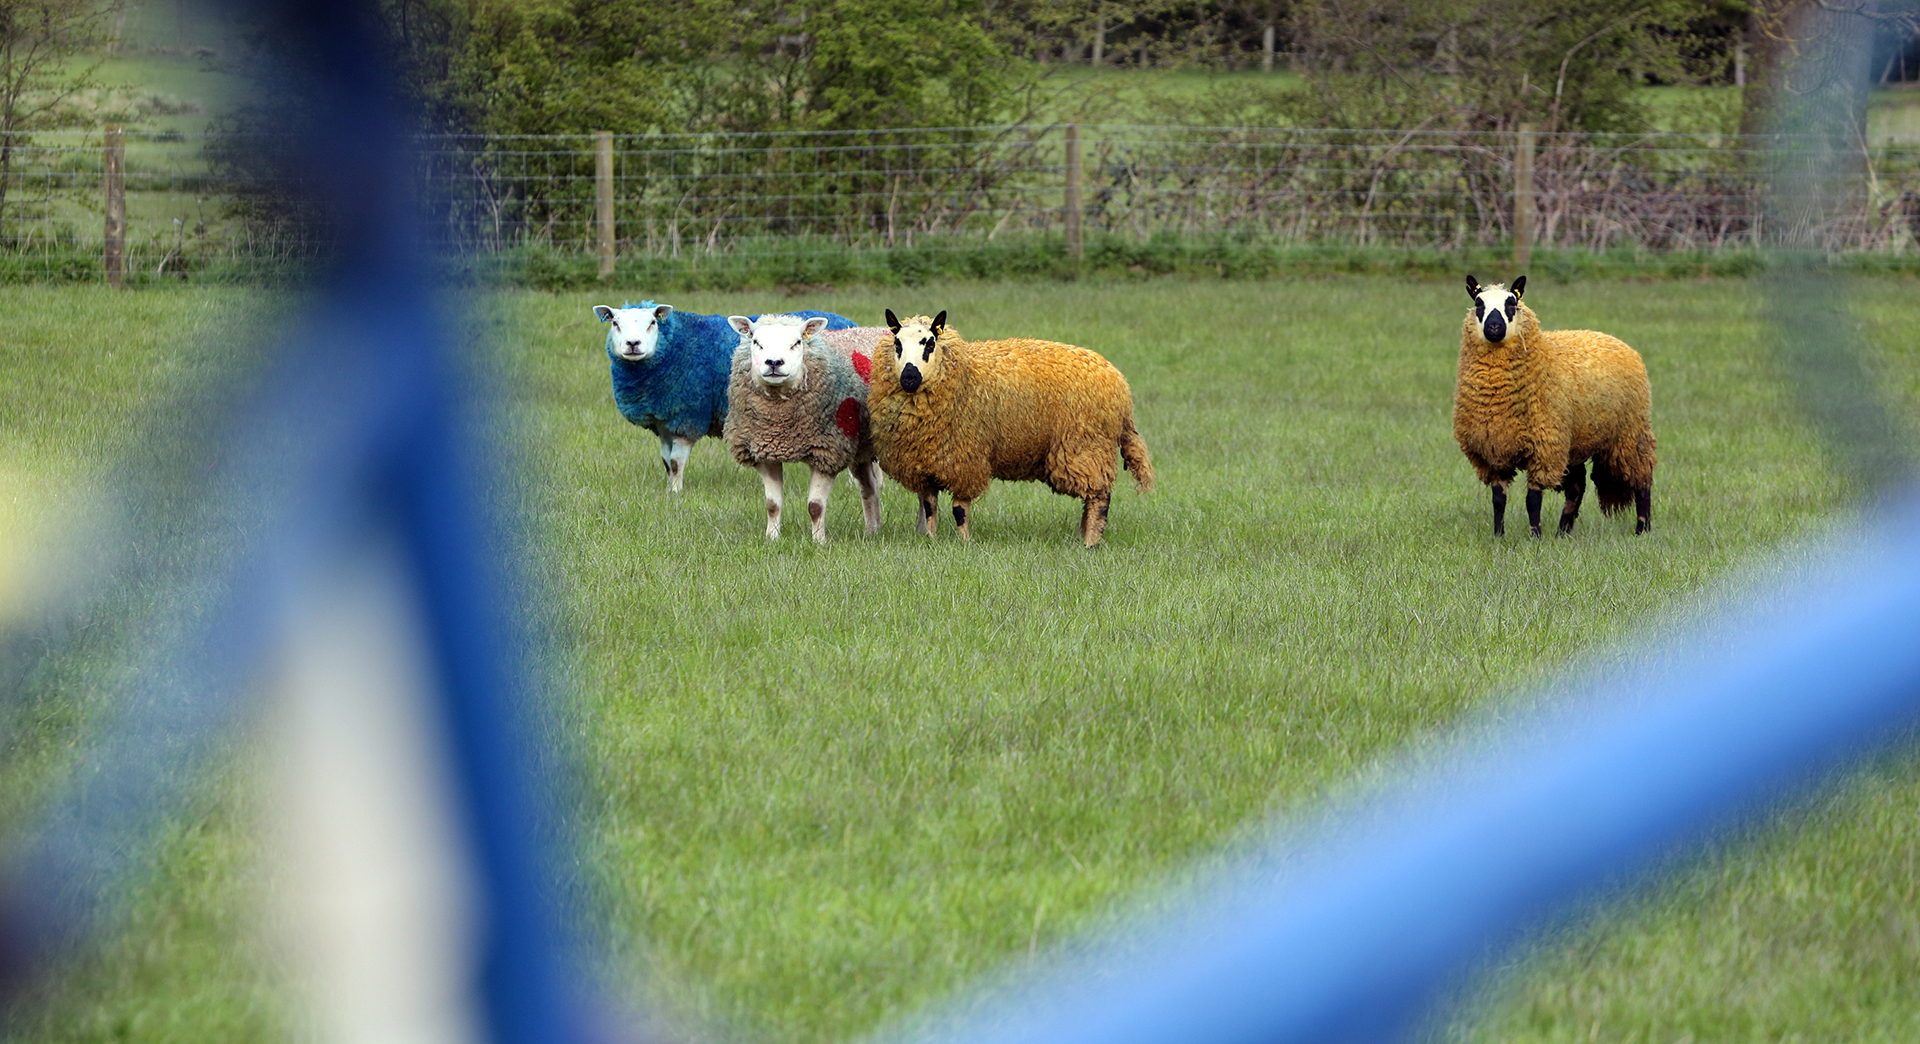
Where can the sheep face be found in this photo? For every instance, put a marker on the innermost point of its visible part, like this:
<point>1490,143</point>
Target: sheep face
<point>917,357</point>
<point>779,349</point>
<point>635,335</point>
<point>1494,306</point>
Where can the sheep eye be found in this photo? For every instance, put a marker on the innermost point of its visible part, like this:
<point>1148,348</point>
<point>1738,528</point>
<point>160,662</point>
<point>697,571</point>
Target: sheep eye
<point>1511,302</point>
<point>1479,309</point>
<point>898,350</point>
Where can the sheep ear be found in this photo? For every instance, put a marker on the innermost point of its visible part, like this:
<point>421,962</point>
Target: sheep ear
<point>1519,287</point>
<point>1473,286</point>
<point>605,313</point>
<point>662,312</point>
<point>814,326</point>
<point>893,321</point>
<point>940,320</point>
<point>742,324</point>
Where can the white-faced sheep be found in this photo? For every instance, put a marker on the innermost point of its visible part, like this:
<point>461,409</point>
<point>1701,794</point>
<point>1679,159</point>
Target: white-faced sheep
<point>1546,402</point>
<point>670,373</point>
<point>954,415</point>
<point>797,397</point>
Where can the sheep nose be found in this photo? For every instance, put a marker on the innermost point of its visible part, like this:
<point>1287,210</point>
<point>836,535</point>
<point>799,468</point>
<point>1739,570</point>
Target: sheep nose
<point>910,378</point>
<point>773,365</point>
<point>1495,328</point>
<point>633,345</point>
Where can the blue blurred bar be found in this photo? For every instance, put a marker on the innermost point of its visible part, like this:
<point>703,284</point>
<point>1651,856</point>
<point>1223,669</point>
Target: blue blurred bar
<point>357,430</point>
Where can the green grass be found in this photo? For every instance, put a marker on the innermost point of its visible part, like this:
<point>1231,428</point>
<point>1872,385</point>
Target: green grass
<point>832,784</point>
<point>823,787</point>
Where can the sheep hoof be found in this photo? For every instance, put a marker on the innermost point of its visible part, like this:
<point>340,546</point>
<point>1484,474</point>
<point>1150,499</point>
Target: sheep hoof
<point>1534,531</point>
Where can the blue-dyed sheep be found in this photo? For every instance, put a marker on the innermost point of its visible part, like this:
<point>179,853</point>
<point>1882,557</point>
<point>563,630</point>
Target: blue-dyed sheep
<point>670,372</point>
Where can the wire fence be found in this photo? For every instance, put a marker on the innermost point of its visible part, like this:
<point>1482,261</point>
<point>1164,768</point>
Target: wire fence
<point>675,194</point>
<point>197,207</point>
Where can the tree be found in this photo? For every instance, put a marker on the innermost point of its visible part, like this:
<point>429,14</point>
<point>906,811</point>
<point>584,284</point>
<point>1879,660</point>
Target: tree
<point>1794,47</point>
<point>38,40</point>
<point>1481,64</point>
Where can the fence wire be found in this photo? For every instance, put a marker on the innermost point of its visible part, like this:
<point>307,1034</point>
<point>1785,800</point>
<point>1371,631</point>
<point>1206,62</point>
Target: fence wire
<point>197,207</point>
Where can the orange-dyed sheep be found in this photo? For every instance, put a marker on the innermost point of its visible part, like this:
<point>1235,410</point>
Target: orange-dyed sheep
<point>1548,401</point>
<point>955,415</point>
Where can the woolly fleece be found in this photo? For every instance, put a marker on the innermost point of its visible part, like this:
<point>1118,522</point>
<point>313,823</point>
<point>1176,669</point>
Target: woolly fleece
<point>823,423</point>
<point>1019,409</point>
<point>1542,401</point>
<point>682,389</point>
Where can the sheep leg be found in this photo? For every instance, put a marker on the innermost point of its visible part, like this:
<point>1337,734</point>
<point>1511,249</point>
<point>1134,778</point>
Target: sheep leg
<point>1643,508</point>
<point>774,477</point>
<point>1533,509</point>
<point>868,477</point>
<point>962,514</point>
<point>927,521</point>
<point>817,490</point>
<point>673,453</point>
<point>1574,485</point>
<point>1499,508</point>
<point>1093,518</point>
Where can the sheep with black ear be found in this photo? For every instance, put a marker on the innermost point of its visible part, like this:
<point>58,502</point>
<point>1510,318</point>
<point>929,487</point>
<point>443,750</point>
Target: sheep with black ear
<point>670,373</point>
<point>1547,402</point>
<point>795,396</point>
<point>955,415</point>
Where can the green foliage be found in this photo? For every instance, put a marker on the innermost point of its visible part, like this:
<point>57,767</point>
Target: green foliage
<point>547,66</point>
<point>636,66</point>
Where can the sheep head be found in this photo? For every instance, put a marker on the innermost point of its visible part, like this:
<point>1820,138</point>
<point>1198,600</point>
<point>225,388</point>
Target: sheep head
<point>778,345</point>
<point>1494,308</point>
<point>917,357</point>
<point>635,334</point>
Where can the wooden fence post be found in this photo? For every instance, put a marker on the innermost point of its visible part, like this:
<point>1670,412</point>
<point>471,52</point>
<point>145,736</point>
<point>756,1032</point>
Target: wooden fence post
<point>1072,214</point>
<point>1525,213</point>
<point>603,183</point>
<point>114,254</point>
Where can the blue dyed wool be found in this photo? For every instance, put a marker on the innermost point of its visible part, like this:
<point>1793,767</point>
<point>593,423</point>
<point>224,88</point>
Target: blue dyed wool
<point>682,389</point>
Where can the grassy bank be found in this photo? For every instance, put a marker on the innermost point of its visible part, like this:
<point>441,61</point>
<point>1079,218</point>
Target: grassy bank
<point>807,266</point>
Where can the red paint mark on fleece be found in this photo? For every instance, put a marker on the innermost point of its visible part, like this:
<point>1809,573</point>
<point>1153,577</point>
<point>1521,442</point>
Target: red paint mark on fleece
<point>848,417</point>
<point>863,366</point>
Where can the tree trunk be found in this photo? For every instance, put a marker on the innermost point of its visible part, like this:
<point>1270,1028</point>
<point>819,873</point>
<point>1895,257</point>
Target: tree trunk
<point>6,177</point>
<point>1740,60</point>
<point>1766,47</point>
<point>1266,48</point>
<point>1100,36</point>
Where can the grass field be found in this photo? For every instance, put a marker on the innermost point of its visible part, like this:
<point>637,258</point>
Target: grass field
<point>822,787</point>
